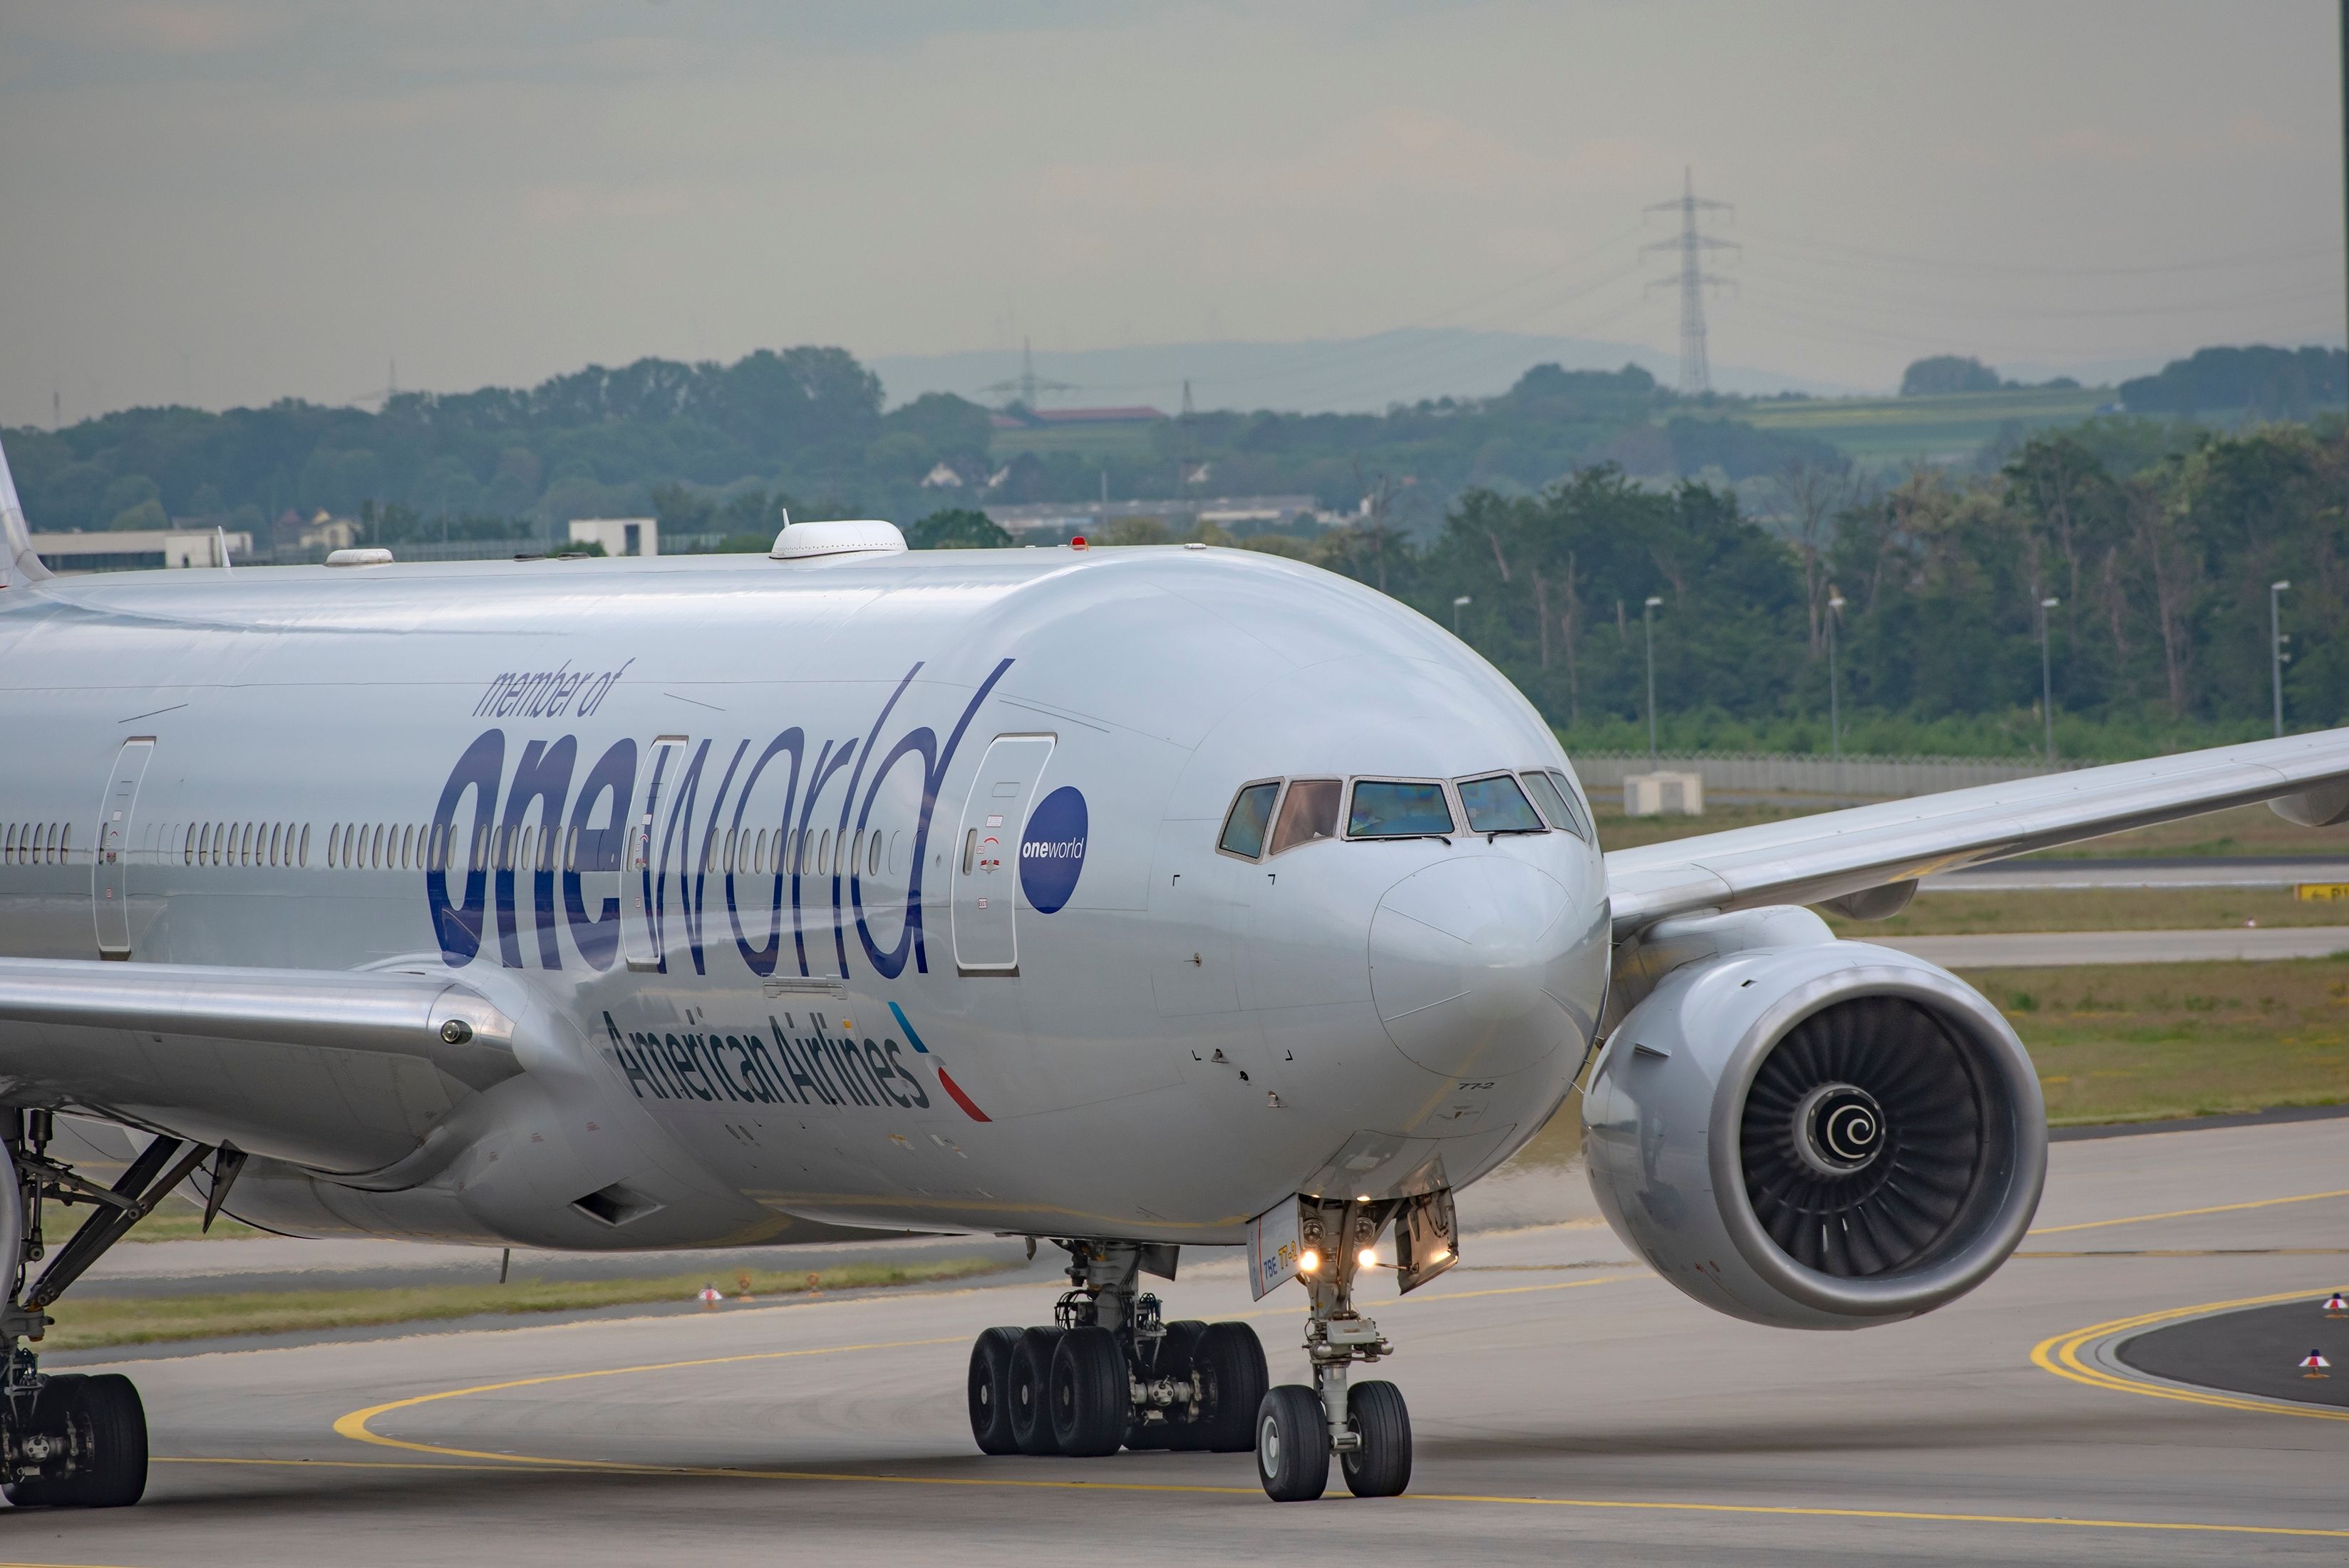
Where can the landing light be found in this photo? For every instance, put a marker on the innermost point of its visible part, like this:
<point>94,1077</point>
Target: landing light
<point>1367,1257</point>
<point>1309,1261</point>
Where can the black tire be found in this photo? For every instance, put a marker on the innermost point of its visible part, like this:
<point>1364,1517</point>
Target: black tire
<point>108,1425</point>
<point>1381,1466</point>
<point>1292,1444</point>
<point>1177,1349</point>
<point>1231,1358</point>
<point>1089,1397</point>
<point>990,1390</point>
<point>1031,1378</point>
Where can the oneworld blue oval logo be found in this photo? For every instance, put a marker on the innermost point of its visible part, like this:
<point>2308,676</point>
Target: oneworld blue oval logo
<point>1052,851</point>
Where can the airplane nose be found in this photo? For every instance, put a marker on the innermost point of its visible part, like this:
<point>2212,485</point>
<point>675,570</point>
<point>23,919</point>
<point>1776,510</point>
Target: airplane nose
<point>1468,960</point>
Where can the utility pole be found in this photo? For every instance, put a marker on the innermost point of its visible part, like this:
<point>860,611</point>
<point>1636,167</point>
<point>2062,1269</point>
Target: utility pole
<point>1691,243</point>
<point>1647,622</point>
<point>2047,680</point>
<point>1835,704</point>
<point>2277,657</point>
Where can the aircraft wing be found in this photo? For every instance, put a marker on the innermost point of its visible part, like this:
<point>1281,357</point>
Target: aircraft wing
<point>1814,859</point>
<point>340,1071</point>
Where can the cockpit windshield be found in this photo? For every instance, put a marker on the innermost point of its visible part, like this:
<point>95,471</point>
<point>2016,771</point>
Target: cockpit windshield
<point>1496,805</point>
<point>1398,808</point>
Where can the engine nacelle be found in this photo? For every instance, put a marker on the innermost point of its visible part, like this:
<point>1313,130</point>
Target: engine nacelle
<point>1830,1135</point>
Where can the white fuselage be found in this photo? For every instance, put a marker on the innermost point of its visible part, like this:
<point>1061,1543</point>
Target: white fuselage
<point>880,891</point>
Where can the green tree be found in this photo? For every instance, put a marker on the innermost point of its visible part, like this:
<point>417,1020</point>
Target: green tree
<point>958,528</point>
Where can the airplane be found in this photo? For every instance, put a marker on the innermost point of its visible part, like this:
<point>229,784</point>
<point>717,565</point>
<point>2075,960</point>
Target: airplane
<point>1129,900</point>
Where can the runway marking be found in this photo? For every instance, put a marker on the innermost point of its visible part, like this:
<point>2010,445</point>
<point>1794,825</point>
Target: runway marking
<point>2060,1353</point>
<point>2188,1213</point>
<point>354,1426</point>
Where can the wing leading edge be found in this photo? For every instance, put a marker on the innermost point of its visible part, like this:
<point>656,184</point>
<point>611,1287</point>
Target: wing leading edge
<point>1813,859</point>
<point>343,1072</point>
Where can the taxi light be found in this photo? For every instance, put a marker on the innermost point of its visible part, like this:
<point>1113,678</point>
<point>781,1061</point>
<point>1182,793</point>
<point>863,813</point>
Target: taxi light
<point>1367,1257</point>
<point>1309,1261</point>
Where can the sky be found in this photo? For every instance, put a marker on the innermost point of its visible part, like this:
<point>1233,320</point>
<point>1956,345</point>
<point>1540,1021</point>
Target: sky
<point>230,201</point>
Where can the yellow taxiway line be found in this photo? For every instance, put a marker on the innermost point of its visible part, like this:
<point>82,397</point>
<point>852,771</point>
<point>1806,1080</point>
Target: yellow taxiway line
<point>2189,1213</point>
<point>2061,1355</point>
<point>356,1425</point>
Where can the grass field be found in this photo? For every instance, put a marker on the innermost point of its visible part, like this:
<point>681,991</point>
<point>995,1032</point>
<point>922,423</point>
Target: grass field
<point>90,1323</point>
<point>1900,430</point>
<point>2142,1042</point>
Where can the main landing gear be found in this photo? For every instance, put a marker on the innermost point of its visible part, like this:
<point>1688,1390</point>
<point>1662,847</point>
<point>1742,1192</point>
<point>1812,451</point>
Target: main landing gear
<point>1110,1373</point>
<point>69,1441</point>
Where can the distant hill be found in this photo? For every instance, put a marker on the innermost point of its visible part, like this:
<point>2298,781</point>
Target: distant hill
<point>1338,375</point>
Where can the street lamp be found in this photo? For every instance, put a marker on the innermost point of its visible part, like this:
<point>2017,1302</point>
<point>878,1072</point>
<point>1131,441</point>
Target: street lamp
<point>2277,657</point>
<point>1648,621</point>
<point>1462,602</point>
<point>1835,703</point>
<point>2047,680</point>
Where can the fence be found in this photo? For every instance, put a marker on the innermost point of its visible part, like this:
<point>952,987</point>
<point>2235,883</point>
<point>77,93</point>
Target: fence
<point>1870,776</point>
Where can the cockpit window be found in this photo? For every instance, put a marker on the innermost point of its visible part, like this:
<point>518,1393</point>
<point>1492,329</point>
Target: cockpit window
<point>1251,814</point>
<point>1310,811</point>
<point>1557,803</point>
<point>1395,808</point>
<point>1496,805</point>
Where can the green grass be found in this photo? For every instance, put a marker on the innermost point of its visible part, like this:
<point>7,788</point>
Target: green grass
<point>84,1324</point>
<point>1896,429</point>
<point>2125,1042</point>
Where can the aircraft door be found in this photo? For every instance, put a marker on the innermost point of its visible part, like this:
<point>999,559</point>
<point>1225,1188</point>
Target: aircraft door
<point>642,904</point>
<point>110,887</point>
<point>986,854</point>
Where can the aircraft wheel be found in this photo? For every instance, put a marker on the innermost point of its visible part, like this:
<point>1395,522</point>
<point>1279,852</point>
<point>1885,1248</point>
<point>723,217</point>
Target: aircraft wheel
<point>1380,1467</point>
<point>1032,1376</point>
<point>1232,1358</point>
<point>1090,1396</point>
<point>1292,1444</point>
<point>105,1423</point>
<point>1177,1354</point>
<point>990,1390</point>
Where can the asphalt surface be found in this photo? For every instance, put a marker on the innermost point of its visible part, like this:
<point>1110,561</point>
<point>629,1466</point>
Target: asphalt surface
<point>2041,949</point>
<point>1569,1406</point>
<point>2252,1350</point>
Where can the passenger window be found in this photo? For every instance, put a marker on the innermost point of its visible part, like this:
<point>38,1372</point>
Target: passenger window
<point>1308,812</point>
<point>1385,808</point>
<point>872,856</point>
<point>1556,801</point>
<point>1496,805</point>
<point>1245,824</point>
<point>302,856</point>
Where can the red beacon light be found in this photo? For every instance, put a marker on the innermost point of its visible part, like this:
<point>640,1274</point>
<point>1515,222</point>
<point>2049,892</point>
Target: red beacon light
<point>1078,542</point>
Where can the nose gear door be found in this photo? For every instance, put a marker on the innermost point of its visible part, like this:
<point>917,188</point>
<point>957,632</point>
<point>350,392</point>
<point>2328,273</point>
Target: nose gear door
<point>986,854</point>
<point>109,892</point>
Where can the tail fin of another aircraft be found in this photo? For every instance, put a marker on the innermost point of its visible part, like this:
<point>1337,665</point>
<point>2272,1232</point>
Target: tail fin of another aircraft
<point>18,562</point>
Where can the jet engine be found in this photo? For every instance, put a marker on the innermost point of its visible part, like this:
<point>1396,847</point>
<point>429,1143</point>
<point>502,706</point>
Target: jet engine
<point>1820,1135</point>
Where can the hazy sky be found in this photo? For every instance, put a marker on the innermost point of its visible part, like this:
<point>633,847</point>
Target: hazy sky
<point>227,203</point>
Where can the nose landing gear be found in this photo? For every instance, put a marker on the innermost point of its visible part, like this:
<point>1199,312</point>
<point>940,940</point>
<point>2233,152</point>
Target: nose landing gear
<point>1110,1373</point>
<point>1366,1425</point>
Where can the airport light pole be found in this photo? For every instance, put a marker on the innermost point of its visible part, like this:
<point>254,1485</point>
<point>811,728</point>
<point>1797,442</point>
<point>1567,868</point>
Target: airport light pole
<point>1459,603</point>
<point>2277,657</point>
<point>1835,702</point>
<point>2047,680</point>
<point>1647,623</point>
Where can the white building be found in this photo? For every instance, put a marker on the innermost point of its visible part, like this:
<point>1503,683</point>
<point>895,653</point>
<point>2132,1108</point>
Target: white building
<point>139,549</point>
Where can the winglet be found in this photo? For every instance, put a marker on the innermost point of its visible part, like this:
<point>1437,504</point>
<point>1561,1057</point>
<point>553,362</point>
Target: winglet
<point>18,562</point>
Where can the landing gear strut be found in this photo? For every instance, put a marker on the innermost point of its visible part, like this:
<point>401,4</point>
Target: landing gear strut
<point>1110,1373</point>
<point>1366,1423</point>
<point>73,1441</point>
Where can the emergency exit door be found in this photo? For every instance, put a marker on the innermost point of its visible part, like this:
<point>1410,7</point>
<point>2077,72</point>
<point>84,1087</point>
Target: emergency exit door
<point>986,854</point>
<point>110,890</point>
